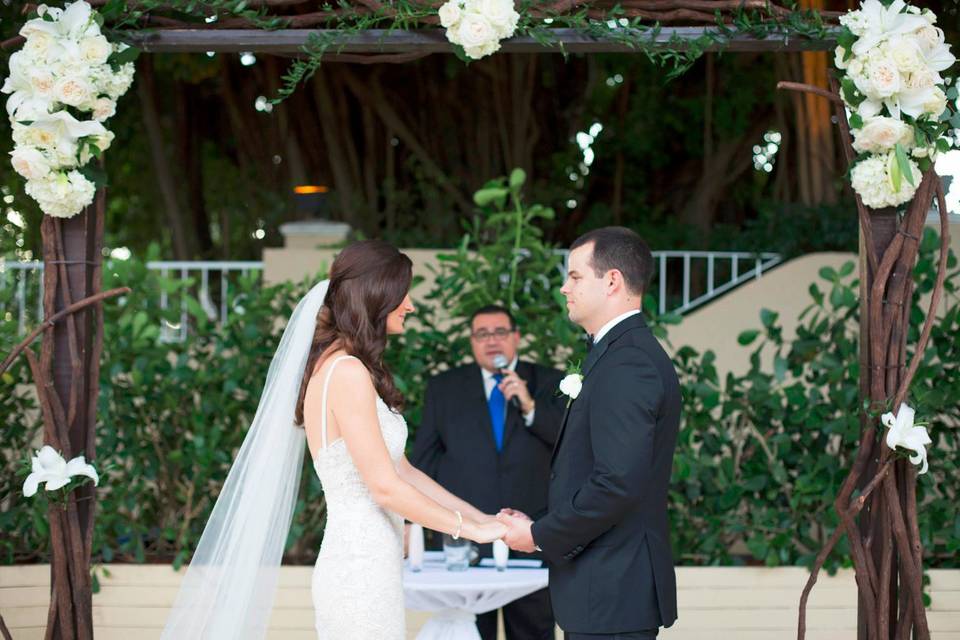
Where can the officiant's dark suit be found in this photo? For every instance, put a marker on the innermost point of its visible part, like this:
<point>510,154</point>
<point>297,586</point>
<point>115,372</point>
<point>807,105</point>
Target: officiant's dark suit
<point>491,453</point>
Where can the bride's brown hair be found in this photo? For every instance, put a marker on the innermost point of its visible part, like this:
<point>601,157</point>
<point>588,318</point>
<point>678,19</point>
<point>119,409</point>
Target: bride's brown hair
<point>368,280</point>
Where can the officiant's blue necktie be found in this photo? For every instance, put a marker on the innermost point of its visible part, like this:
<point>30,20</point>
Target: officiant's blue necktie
<point>498,409</point>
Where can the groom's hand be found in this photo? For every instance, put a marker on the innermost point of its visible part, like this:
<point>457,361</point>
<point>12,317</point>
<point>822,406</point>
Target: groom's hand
<point>518,536</point>
<point>515,513</point>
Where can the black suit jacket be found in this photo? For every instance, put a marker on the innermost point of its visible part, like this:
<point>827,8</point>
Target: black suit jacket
<point>455,446</point>
<point>606,534</point>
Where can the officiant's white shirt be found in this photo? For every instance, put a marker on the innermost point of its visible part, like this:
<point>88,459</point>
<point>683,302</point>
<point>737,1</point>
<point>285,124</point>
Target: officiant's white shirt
<point>489,383</point>
<point>610,325</point>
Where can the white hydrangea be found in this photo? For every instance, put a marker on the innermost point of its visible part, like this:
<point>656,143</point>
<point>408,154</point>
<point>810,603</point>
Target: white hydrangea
<point>872,181</point>
<point>62,195</point>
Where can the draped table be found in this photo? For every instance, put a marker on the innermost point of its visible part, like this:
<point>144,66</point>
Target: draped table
<point>458,596</point>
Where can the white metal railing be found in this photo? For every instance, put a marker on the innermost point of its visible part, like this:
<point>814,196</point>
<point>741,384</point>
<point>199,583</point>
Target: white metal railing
<point>703,275</point>
<point>186,270</point>
<point>685,280</point>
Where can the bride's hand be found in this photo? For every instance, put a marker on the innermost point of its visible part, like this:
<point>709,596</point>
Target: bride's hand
<point>484,532</point>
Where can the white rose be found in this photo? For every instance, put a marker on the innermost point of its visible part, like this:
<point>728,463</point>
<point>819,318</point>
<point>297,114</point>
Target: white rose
<point>884,77</point>
<point>38,45</point>
<point>95,50</point>
<point>30,162</point>
<point>450,13</point>
<point>74,91</point>
<point>500,14</point>
<point>474,31</point>
<point>571,385</point>
<point>872,181</point>
<point>475,53</point>
<point>42,82</point>
<point>104,108</point>
<point>906,54</point>
<point>880,134</point>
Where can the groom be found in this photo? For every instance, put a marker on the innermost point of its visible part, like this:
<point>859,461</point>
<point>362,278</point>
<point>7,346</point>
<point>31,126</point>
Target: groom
<point>606,533</point>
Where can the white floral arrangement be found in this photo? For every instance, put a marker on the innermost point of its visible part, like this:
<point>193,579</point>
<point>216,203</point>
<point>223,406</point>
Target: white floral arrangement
<point>572,383</point>
<point>889,59</point>
<point>905,434</point>
<point>64,84</point>
<point>478,26</point>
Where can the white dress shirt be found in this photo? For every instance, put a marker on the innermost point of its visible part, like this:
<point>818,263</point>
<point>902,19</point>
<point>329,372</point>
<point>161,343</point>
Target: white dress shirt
<point>489,382</point>
<point>610,325</point>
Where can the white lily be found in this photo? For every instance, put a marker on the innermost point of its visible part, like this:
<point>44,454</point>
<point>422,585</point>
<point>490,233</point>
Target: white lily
<point>74,21</point>
<point>881,23</point>
<point>49,467</point>
<point>903,433</point>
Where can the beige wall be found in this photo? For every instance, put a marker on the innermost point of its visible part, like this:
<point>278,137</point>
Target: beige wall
<point>742,603</point>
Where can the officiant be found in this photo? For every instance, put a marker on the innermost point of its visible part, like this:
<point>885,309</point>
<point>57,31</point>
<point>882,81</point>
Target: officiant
<point>487,434</point>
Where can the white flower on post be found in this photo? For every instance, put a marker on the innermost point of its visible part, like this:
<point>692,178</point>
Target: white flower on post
<point>877,23</point>
<point>903,433</point>
<point>571,385</point>
<point>50,468</point>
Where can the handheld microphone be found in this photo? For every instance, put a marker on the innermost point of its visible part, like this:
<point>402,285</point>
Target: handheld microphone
<point>501,363</point>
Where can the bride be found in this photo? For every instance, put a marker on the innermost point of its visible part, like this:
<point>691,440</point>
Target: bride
<point>327,377</point>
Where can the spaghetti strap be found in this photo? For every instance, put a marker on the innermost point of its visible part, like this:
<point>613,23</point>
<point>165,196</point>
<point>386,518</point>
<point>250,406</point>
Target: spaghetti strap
<point>323,402</point>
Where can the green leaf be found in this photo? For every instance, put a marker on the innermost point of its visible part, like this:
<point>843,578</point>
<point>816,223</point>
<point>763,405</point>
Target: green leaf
<point>483,197</point>
<point>748,336</point>
<point>896,177</point>
<point>768,317</point>
<point>856,121</point>
<point>120,58</point>
<point>904,165</point>
<point>828,273</point>
<point>517,178</point>
<point>846,269</point>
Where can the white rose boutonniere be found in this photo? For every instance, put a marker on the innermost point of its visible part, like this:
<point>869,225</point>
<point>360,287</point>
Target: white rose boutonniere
<point>572,383</point>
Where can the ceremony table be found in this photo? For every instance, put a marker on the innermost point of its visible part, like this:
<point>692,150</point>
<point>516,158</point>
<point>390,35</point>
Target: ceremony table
<point>458,596</point>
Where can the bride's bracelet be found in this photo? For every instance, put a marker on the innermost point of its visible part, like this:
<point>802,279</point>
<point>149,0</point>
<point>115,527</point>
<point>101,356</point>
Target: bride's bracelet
<point>456,534</point>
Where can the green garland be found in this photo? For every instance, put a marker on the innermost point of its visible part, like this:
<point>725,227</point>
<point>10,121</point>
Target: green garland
<point>677,55</point>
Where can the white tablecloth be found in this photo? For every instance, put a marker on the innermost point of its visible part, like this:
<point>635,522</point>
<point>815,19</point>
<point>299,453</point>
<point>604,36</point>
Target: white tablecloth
<point>457,596</point>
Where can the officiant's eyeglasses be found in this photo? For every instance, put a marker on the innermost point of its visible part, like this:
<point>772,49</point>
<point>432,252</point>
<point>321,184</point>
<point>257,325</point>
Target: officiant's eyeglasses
<point>483,335</point>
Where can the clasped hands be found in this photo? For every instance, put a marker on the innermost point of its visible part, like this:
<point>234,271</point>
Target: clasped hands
<point>510,525</point>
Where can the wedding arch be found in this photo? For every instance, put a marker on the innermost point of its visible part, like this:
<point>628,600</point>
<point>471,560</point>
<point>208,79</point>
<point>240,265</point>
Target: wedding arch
<point>894,187</point>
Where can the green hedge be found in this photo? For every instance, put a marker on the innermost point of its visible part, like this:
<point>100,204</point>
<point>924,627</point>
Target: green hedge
<point>759,460</point>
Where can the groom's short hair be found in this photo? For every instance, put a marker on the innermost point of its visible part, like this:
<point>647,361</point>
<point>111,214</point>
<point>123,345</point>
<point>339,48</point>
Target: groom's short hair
<point>621,249</point>
<point>492,309</point>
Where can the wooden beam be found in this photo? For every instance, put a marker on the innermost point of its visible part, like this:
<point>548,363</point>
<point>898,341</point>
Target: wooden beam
<point>424,41</point>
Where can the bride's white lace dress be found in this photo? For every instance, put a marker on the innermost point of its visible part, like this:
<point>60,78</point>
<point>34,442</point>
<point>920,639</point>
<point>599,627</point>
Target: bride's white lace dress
<point>358,579</point>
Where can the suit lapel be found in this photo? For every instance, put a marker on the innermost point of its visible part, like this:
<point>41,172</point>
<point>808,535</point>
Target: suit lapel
<point>596,353</point>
